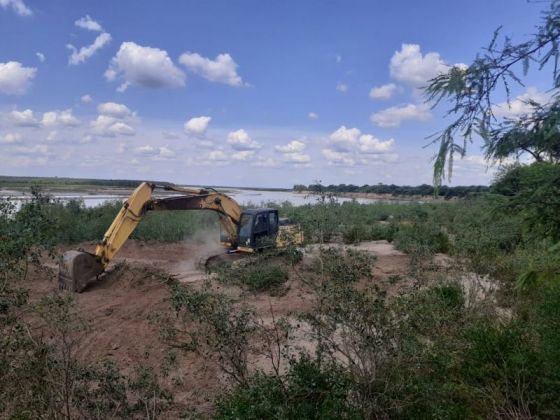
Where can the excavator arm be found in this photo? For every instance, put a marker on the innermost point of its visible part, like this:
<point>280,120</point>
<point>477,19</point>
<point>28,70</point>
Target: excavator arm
<point>79,268</point>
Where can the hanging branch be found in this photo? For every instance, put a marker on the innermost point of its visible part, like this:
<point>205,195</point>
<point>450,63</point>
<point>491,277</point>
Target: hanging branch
<point>470,91</point>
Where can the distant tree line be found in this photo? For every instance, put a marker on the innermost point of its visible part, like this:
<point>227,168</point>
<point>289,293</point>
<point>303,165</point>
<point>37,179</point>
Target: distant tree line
<point>27,181</point>
<point>396,190</point>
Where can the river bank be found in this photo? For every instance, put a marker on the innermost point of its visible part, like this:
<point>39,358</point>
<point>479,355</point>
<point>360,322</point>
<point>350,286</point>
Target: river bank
<point>383,197</point>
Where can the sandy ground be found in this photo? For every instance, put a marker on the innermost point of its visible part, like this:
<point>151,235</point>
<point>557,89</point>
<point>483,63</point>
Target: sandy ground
<point>119,310</point>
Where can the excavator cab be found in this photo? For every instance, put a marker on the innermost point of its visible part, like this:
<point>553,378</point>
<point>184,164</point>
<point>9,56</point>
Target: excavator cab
<point>257,229</point>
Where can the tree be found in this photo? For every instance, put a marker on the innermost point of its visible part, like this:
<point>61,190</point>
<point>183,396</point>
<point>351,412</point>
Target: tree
<point>472,91</point>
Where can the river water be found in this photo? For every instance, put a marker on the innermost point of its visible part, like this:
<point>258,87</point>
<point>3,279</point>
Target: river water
<point>244,197</point>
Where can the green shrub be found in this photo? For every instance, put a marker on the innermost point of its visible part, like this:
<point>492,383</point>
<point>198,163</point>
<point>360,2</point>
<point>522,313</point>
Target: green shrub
<point>259,273</point>
<point>378,231</point>
<point>309,390</point>
<point>262,278</point>
<point>343,266</point>
<point>426,235</point>
<point>223,330</point>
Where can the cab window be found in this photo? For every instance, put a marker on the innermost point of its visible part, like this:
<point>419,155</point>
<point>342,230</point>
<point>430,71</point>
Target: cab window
<point>245,225</point>
<point>272,220</point>
<point>261,224</point>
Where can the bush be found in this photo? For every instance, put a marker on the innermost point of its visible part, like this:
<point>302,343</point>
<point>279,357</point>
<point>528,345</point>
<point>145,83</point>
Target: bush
<point>260,273</point>
<point>426,235</point>
<point>343,266</point>
<point>534,193</point>
<point>378,231</point>
<point>309,390</point>
<point>223,330</point>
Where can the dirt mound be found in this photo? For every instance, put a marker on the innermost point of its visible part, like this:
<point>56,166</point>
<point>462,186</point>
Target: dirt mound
<point>118,312</point>
<point>120,308</point>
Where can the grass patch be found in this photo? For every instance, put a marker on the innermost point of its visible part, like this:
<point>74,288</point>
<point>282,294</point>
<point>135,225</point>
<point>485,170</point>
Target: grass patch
<point>258,274</point>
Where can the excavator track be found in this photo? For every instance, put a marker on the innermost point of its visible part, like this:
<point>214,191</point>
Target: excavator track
<point>215,262</point>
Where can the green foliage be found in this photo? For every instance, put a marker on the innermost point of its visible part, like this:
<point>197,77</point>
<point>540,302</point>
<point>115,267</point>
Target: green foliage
<point>379,231</point>
<point>534,195</point>
<point>264,272</point>
<point>395,190</point>
<point>426,237</point>
<point>343,266</point>
<point>223,330</point>
<point>76,223</point>
<point>309,390</point>
<point>472,93</point>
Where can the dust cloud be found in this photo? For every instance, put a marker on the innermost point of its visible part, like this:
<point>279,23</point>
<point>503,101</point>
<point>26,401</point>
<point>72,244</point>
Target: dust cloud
<point>202,245</point>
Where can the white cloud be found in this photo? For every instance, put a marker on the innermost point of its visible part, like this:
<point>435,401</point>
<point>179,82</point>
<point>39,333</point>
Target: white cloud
<point>222,69</point>
<point>113,120</point>
<point>206,144</point>
<point>377,159</point>
<point>88,23</point>
<point>520,105</point>
<point>53,118</point>
<point>240,140</point>
<point>197,125</point>
<point>51,137</point>
<point>347,147</point>
<point>24,161</point>
<point>338,158</point>
<point>390,157</point>
<point>15,79</point>
<point>108,126</point>
<point>115,110</point>
<point>383,92</point>
<point>24,118</point>
<point>11,138</point>
<point>243,155</point>
<point>145,150</point>
<point>338,59</point>
<point>41,57</point>
<point>144,66</point>
<point>371,144</point>
<point>165,153</point>
<point>38,149</point>
<point>342,87</point>
<point>121,148</point>
<point>265,162</point>
<point>121,128</point>
<point>86,139</point>
<point>299,158</point>
<point>343,134</point>
<point>86,99</point>
<point>291,147</point>
<point>170,135</point>
<point>217,155</point>
<point>410,66</point>
<point>393,116</point>
<point>344,138</point>
<point>81,55</point>
<point>313,116</point>
<point>18,6</point>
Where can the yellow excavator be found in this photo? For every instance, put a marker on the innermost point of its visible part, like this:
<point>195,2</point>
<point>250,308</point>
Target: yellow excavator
<point>244,231</point>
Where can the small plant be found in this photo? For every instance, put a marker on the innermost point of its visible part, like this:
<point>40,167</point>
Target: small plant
<point>262,273</point>
<point>343,266</point>
<point>309,390</point>
<point>223,330</point>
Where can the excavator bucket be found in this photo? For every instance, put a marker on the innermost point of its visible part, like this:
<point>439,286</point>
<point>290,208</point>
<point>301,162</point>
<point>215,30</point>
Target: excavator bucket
<point>77,270</point>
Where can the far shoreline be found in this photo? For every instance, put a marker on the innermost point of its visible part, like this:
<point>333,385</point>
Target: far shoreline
<point>382,197</point>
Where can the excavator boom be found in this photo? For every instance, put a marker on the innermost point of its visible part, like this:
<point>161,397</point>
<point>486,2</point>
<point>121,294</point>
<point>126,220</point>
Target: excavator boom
<point>80,268</point>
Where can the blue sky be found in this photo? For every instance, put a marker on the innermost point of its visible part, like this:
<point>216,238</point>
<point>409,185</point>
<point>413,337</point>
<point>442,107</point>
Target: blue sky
<point>256,93</point>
